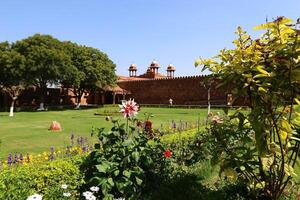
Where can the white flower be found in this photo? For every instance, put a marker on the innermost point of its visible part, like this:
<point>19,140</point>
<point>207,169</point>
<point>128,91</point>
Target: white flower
<point>64,186</point>
<point>87,194</point>
<point>35,197</point>
<point>129,108</point>
<point>92,197</point>
<point>67,194</point>
<point>94,189</point>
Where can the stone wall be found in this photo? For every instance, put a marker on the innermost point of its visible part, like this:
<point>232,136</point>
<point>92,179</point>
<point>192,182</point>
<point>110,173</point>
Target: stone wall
<point>187,90</point>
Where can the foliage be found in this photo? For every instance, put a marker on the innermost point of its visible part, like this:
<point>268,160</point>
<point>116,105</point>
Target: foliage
<point>92,69</point>
<point>121,164</point>
<point>188,147</point>
<point>46,61</point>
<point>267,71</point>
<point>12,71</point>
<point>43,61</point>
<point>19,182</point>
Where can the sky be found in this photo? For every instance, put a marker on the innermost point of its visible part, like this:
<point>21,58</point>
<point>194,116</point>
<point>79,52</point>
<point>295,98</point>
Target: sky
<point>138,31</point>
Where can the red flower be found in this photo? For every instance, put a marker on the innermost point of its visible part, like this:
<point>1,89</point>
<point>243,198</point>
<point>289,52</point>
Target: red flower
<point>139,124</point>
<point>168,153</point>
<point>148,125</point>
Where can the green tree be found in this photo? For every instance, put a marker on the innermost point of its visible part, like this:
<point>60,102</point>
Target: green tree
<point>267,71</point>
<point>46,64</point>
<point>12,73</point>
<point>94,70</point>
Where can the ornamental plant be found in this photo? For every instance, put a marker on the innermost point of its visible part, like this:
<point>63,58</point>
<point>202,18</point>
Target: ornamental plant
<point>123,160</point>
<point>267,72</point>
<point>45,179</point>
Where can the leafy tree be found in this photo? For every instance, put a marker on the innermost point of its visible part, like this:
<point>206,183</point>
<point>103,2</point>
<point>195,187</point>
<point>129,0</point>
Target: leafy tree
<point>46,64</point>
<point>94,70</point>
<point>12,73</point>
<point>267,71</point>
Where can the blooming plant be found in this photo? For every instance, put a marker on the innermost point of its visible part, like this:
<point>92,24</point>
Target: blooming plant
<point>81,148</point>
<point>120,163</point>
<point>168,153</point>
<point>35,197</point>
<point>129,108</point>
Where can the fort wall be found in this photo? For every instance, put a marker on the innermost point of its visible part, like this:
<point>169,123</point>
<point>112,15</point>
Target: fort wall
<point>188,90</point>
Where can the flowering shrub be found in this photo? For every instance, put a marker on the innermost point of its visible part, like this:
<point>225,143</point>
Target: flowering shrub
<point>44,178</point>
<point>168,153</point>
<point>123,159</point>
<point>79,147</point>
<point>120,164</point>
<point>129,108</point>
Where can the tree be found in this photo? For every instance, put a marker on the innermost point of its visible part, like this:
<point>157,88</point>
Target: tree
<point>12,73</point>
<point>94,70</point>
<point>267,71</point>
<point>46,64</point>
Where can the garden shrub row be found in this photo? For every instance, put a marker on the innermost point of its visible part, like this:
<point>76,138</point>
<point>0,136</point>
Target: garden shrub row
<point>45,178</point>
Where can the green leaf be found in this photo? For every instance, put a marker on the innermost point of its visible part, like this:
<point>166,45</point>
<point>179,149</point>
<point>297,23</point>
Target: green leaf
<point>138,181</point>
<point>127,173</point>
<point>267,161</point>
<point>283,135</point>
<point>286,126</point>
<point>110,181</point>
<point>116,173</point>
<point>297,101</point>
<point>136,156</point>
<point>261,89</point>
<point>103,167</point>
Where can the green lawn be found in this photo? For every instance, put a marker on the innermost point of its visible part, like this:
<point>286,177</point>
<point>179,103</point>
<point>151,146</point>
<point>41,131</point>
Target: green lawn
<point>28,131</point>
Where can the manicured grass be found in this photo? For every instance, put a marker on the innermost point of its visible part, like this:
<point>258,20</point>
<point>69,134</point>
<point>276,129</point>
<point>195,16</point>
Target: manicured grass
<point>28,131</point>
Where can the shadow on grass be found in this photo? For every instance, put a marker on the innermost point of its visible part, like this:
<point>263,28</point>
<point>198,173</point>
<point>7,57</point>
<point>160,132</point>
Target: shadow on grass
<point>51,108</point>
<point>190,187</point>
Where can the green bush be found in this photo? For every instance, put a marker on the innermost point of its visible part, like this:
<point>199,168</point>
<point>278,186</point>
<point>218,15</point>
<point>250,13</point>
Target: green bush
<point>19,182</point>
<point>122,164</point>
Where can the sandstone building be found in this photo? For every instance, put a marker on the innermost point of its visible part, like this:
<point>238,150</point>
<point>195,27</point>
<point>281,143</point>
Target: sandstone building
<point>153,87</point>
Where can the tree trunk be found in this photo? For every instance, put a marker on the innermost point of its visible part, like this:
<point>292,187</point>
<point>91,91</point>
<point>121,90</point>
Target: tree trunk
<point>42,98</point>
<point>79,96</point>
<point>11,110</point>
<point>208,106</point>
<point>41,107</point>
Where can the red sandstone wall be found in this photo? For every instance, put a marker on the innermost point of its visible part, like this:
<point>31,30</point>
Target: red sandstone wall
<point>183,91</point>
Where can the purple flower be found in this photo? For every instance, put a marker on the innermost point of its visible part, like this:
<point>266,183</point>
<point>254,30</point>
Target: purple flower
<point>16,158</point>
<point>84,149</point>
<point>52,154</point>
<point>9,159</point>
<point>72,139</point>
<point>80,141</point>
<point>21,158</point>
<point>174,125</point>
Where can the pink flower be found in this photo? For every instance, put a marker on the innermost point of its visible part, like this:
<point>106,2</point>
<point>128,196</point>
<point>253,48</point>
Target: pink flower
<point>217,119</point>
<point>129,108</point>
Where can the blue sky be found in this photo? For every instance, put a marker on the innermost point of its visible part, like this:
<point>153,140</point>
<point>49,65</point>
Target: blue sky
<point>138,31</point>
